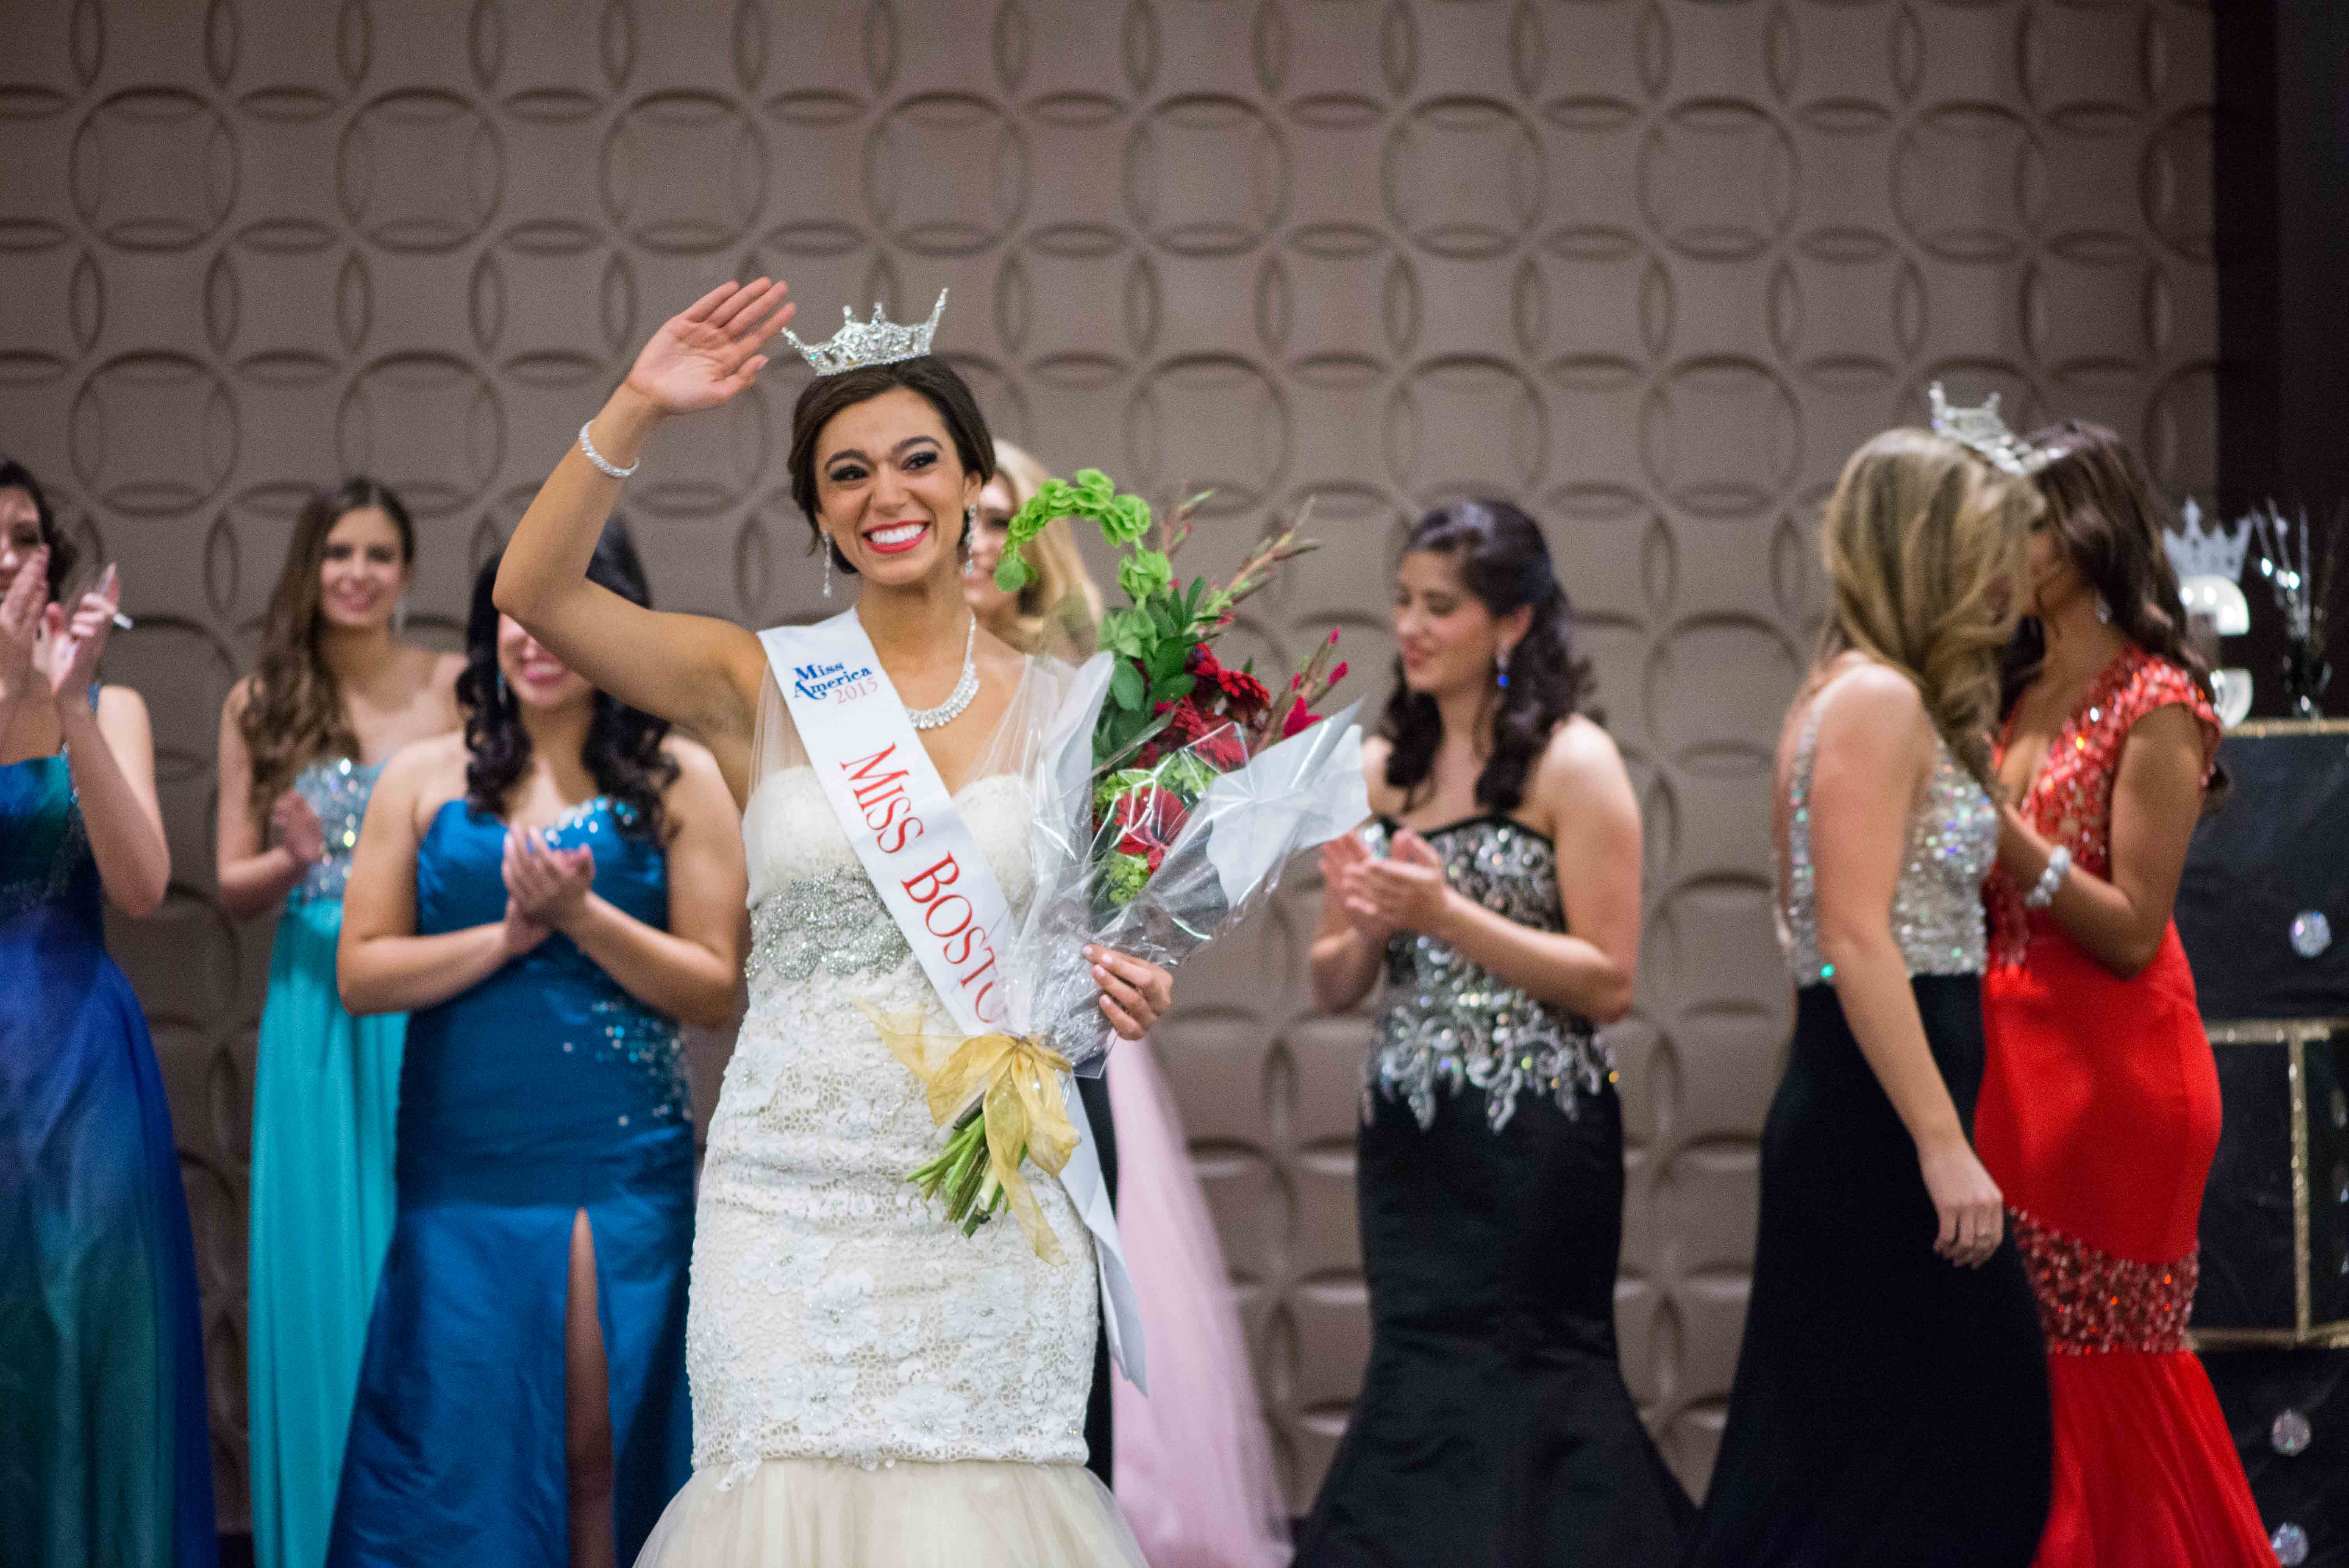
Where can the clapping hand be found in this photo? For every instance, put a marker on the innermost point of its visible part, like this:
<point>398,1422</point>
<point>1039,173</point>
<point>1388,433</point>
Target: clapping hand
<point>298,828</point>
<point>76,641</point>
<point>20,622</point>
<point>705,354</point>
<point>549,886</point>
<point>1404,891</point>
<point>1343,859</point>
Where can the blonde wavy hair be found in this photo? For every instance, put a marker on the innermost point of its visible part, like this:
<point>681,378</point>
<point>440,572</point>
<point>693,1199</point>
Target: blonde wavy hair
<point>1060,610</point>
<point>1923,543</point>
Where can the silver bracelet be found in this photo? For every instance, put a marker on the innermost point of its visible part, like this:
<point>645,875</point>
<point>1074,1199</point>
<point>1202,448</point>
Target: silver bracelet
<point>2059,862</point>
<point>596,458</point>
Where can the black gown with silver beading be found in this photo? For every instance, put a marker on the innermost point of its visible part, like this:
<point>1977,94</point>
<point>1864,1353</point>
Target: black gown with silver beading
<point>1494,1428</point>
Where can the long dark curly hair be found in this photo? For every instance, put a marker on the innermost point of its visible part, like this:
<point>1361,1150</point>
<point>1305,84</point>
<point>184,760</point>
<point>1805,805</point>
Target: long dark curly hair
<point>624,744</point>
<point>2101,505</point>
<point>1503,561</point>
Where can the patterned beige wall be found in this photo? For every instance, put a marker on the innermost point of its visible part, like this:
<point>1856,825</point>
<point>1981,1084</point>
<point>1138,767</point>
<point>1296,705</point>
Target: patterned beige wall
<point>1650,266</point>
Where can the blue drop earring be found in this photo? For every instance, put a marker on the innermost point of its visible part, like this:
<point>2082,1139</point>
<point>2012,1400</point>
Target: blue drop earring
<point>1501,669</point>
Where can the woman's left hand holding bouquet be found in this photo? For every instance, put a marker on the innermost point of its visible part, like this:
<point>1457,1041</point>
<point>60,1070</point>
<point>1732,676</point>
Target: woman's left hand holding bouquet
<point>1134,992</point>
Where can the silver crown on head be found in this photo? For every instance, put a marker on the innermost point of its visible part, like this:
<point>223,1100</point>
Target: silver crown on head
<point>1980,431</point>
<point>879,341</point>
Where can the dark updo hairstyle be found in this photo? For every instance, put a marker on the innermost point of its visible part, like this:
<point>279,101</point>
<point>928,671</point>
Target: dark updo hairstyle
<point>15,475</point>
<point>1504,561</point>
<point>623,751</point>
<point>826,396</point>
<point>294,712</point>
<point>2102,510</point>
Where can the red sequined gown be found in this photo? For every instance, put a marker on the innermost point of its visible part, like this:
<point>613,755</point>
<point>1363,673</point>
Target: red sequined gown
<point>2098,1116</point>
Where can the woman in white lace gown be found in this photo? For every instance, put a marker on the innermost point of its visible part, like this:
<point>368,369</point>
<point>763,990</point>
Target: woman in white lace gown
<point>869,1386</point>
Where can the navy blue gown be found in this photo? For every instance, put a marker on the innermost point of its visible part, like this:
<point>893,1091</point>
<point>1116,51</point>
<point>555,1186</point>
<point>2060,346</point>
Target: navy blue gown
<point>543,1090</point>
<point>105,1454</point>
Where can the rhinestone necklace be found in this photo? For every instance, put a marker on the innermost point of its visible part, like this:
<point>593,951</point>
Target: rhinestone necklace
<point>965,689</point>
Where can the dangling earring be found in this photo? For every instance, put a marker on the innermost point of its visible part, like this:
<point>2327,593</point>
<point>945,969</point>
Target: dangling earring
<point>502,688</point>
<point>969,522</point>
<point>2103,611</point>
<point>400,617</point>
<point>827,566</point>
<point>1501,669</point>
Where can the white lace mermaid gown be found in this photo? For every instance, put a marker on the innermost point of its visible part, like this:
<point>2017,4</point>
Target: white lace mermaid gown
<point>869,1386</point>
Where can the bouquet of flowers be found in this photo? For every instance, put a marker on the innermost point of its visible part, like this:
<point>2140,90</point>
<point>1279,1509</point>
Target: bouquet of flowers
<point>1169,795</point>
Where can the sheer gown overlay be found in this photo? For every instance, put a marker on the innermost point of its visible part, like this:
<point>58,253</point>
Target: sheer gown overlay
<point>869,1385</point>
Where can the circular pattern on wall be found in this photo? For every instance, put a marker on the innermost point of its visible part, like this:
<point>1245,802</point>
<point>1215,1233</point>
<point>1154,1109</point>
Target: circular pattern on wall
<point>1721,437</point>
<point>419,170</point>
<point>684,173</point>
<point>429,424</point>
<point>1206,176</point>
<point>152,434</point>
<point>1717,180</point>
<point>1968,181</point>
<point>1463,176</point>
<point>947,174</point>
<point>153,170</point>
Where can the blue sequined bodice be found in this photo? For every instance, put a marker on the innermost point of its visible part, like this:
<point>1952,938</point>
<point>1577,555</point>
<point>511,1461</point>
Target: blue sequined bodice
<point>1449,1022</point>
<point>337,790</point>
<point>44,849</point>
<point>552,1010</point>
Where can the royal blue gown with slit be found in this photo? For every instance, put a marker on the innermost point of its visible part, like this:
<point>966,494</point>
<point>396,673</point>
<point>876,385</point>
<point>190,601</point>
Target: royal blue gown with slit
<point>105,1453</point>
<point>541,1091</point>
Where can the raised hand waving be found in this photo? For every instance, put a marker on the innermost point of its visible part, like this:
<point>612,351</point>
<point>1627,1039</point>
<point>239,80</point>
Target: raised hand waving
<point>707,353</point>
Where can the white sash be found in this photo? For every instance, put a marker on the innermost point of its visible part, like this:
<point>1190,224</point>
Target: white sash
<point>931,877</point>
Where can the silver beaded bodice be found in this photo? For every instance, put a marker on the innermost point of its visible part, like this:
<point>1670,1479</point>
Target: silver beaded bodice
<point>1450,1023</point>
<point>337,790</point>
<point>1937,907</point>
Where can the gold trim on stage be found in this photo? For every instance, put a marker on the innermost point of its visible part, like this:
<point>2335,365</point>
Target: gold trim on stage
<point>2268,728</point>
<point>2293,1033</point>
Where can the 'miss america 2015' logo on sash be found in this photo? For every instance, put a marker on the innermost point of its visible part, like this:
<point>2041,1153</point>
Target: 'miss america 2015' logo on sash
<point>834,682</point>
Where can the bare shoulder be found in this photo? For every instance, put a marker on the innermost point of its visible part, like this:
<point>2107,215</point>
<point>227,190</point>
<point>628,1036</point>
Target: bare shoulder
<point>1579,752</point>
<point>697,772</point>
<point>240,697</point>
<point>119,705</point>
<point>425,766</point>
<point>1872,709</point>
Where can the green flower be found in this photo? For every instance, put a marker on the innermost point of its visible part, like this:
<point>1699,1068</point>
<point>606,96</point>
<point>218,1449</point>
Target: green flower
<point>1126,876</point>
<point>1124,781</point>
<point>1125,518</point>
<point>1143,572</point>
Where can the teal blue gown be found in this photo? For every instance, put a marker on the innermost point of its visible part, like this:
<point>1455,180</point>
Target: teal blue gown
<point>105,1456</point>
<point>543,1090</point>
<point>326,1100</point>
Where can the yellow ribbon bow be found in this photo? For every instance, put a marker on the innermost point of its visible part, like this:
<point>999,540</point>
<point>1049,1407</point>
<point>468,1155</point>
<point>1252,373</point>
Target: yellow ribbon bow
<point>1017,1084</point>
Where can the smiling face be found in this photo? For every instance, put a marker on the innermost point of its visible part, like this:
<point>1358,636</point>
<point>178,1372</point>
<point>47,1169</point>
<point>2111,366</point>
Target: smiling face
<point>1445,637</point>
<point>20,531</point>
<point>363,569</point>
<point>892,491</point>
<point>533,675</point>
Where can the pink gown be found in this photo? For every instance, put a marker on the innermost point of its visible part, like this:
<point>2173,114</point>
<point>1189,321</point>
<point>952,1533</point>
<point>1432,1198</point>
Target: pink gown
<point>1191,1464</point>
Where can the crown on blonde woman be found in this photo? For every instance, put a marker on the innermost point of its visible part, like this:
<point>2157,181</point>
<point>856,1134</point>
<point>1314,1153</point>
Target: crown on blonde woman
<point>1980,431</point>
<point>880,341</point>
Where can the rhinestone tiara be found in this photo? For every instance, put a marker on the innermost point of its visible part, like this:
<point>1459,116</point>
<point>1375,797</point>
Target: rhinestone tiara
<point>1980,431</point>
<point>879,341</point>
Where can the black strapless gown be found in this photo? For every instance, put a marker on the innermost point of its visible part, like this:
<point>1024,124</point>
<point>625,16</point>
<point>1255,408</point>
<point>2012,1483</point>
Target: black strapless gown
<point>1493,1428</point>
<point>1889,1408</point>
